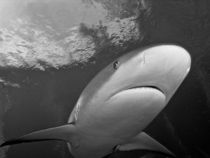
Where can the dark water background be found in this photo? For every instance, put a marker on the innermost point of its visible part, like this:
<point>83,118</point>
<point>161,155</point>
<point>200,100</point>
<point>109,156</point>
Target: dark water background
<point>44,99</point>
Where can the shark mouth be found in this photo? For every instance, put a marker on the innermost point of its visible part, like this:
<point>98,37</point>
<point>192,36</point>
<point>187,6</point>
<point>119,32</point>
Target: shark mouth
<point>136,88</point>
<point>149,86</point>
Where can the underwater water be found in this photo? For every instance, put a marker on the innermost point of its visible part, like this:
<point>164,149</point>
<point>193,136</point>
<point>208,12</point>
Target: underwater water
<point>51,49</point>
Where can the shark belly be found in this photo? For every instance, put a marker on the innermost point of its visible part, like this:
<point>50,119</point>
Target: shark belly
<point>124,115</point>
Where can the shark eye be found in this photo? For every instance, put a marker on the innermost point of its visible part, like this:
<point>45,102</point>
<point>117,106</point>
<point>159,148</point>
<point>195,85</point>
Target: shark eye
<point>116,65</point>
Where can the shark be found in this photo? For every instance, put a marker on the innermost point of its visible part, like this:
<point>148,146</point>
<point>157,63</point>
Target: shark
<point>117,105</point>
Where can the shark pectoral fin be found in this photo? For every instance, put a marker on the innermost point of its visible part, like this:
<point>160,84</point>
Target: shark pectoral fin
<point>62,133</point>
<point>144,142</point>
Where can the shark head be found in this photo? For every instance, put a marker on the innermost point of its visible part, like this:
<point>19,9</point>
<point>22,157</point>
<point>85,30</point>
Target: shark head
<point>163,67</point>
<point>120,102</point>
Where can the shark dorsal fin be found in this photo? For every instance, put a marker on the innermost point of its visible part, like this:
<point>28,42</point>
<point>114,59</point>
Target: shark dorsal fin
<point>61,133</point>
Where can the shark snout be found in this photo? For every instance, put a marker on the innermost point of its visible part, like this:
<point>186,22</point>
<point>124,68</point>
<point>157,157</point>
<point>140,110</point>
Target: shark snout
<point>168,65</point>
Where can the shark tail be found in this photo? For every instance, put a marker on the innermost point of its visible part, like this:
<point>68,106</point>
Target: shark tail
<point>60,133</point>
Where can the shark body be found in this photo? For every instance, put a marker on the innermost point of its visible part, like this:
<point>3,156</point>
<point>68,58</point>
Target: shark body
<point>120,102</point>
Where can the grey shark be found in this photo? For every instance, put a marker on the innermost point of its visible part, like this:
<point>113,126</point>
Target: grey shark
<point>119,103</point>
